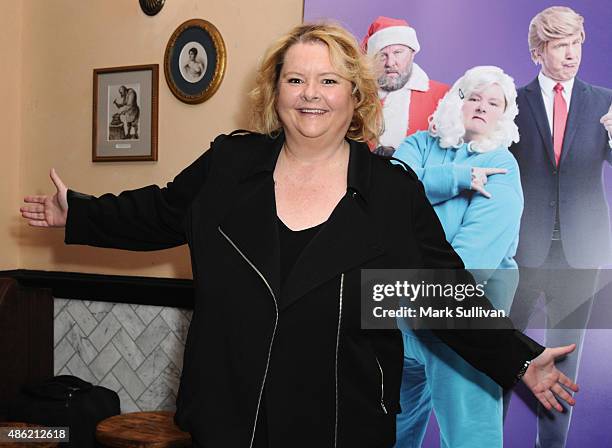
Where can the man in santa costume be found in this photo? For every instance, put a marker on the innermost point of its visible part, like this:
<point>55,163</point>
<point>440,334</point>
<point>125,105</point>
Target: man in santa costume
<point>409,97</point>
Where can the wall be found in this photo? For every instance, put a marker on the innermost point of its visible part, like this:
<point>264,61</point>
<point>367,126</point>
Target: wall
<point>64,41</point>
<point>10,129</point>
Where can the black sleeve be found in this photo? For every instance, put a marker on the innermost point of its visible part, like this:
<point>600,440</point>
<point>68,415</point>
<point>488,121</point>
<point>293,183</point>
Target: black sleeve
<point>148,218</point>
<point>499,353</point>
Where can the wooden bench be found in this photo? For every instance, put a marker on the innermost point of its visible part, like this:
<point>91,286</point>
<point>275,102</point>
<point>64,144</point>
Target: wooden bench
<point>155,429</point>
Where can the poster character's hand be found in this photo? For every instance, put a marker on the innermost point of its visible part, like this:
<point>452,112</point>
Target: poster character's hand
<point>480,178</point>
<point>385,151</point>
<point>606,121</point>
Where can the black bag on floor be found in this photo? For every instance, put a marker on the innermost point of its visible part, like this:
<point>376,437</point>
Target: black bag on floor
<point>66,400</point>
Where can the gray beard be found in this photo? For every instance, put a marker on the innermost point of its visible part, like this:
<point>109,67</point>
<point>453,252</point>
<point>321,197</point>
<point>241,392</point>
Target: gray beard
<point>392,84</point>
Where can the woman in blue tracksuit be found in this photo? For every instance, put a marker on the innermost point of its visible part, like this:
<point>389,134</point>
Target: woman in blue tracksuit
<point>473,182</point>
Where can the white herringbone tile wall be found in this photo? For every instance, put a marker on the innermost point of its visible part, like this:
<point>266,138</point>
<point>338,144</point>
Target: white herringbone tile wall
<point>135,350</point>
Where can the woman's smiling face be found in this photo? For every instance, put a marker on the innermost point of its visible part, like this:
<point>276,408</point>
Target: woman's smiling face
<point>313,100</point>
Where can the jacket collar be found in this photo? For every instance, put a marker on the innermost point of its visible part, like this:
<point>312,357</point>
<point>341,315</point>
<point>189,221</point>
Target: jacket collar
<point>346,240</point>
<point>266,153</point>
<point>536,103</point>
<point>577,104</point>
<point>574,116</point>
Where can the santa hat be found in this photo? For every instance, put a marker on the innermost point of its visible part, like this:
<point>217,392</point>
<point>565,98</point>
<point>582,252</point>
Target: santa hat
<point>385,31</point>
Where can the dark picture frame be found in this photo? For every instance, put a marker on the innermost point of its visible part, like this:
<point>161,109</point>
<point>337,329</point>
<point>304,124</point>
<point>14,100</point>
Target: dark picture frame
<point>125,113</point>
<point>194,61</point>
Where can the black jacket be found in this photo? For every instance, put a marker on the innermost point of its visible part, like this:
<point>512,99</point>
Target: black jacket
<point>327,382</point>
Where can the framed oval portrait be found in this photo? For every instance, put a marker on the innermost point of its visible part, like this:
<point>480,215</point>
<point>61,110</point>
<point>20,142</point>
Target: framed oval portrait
<point>194,62</point>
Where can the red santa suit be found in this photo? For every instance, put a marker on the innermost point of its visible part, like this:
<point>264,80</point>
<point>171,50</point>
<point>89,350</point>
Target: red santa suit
<point>405,110</point>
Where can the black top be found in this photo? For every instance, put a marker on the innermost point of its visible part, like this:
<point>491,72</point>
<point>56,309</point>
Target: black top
<point>292,243</point>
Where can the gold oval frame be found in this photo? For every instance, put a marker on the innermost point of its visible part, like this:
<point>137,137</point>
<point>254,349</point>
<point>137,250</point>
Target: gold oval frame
<point>214,84</point>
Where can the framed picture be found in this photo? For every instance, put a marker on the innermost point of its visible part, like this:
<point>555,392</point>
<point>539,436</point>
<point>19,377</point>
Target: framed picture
<point>194,62</point>
<point>125,113</point>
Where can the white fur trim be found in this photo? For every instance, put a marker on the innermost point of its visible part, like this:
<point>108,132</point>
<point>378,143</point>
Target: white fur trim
<point>396,108</point>
<point>395,112</point>
<point>418,79</point>
<point>393,35</point>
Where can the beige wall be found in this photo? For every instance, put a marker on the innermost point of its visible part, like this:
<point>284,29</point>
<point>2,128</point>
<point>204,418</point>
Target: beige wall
<point>10,130</point>
<point>63,41</point>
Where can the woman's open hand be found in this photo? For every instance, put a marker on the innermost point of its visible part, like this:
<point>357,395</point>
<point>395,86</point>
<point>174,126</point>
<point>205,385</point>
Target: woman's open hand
<point>546,381</point>
<point>47,211</point>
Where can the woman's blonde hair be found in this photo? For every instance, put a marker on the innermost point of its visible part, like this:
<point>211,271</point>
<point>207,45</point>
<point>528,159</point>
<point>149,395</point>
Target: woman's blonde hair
<point>556,22</point>
<point>446,123</point>
<point>345,56</point>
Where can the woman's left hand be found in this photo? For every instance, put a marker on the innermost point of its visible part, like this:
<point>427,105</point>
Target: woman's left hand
<point>546,381</point>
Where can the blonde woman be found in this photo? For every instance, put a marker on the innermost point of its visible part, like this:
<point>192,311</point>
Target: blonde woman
<point>280,224</point>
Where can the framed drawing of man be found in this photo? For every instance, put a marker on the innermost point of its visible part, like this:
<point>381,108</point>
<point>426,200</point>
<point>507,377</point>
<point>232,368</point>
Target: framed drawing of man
<point>125,111</point>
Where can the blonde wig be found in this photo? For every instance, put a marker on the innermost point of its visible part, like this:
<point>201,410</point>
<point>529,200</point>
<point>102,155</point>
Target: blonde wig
<point>447,121</point>
<point>556,22</point>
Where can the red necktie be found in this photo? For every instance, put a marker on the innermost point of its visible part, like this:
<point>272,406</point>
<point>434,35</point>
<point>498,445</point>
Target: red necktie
<point>559,120</point>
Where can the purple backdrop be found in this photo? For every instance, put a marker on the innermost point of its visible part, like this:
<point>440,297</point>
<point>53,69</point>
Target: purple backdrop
<point>455,36</point>
<point>476,32</point>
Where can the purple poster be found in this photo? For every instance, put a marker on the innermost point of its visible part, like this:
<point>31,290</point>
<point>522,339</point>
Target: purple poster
<point>453,37</point>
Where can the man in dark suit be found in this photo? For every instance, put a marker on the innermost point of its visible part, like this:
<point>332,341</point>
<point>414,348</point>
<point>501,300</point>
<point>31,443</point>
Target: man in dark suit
<point>565,128</point>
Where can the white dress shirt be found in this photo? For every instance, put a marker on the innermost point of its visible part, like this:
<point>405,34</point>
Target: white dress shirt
<point>548,95</point>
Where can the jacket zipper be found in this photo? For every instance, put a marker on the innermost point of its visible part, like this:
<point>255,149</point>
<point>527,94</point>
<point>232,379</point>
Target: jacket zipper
<point>336,362</point>
<point>382,387</point>
<point>273,331</point>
